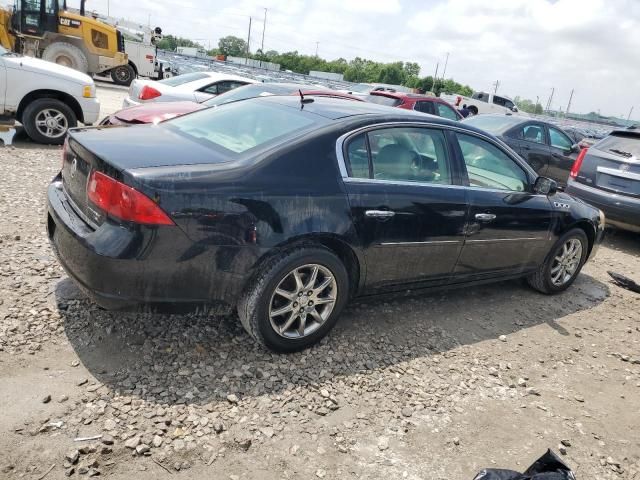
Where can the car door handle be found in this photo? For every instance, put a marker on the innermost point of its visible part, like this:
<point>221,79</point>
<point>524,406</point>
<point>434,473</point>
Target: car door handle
<point>485,217</point>
<point>379,213</point>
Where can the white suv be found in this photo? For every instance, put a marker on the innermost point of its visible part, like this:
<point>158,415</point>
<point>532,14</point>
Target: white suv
<point>46,98</point>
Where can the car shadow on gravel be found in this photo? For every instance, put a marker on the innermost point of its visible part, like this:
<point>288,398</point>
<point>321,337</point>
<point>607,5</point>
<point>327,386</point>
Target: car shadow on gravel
<point>198,358</point>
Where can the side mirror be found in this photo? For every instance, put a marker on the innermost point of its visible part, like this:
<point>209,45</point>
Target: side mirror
<point>545,186</point>
<point>575,148</point>
<point>514,109</point>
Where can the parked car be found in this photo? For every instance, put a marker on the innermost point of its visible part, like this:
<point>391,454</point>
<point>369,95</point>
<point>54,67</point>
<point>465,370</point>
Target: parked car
<point>483,102</point>
<point>194,87</point>
<point>417,102</point>
<point>157,112</point>
<point>546,147</point>
<point>287,208</point>
<point>45,97</point>
<point>607,175</point>
<point>579,136</point>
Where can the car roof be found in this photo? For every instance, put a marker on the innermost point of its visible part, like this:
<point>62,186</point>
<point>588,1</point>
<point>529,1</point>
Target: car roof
<point>405,95</point>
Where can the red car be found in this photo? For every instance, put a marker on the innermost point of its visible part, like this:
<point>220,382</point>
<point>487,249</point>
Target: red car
<point>159,111</point>
<point>416,101</point>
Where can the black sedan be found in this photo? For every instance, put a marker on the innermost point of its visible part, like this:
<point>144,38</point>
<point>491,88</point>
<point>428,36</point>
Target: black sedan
<point>546,148</point>
<point>286,208</point>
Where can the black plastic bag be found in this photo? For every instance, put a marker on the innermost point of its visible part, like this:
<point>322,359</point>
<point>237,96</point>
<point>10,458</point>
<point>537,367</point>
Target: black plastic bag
<point>547,467</point>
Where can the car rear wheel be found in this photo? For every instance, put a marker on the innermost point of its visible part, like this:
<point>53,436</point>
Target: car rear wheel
<point>296,299</point>
<point>563,264</point>
<point>46,120</point>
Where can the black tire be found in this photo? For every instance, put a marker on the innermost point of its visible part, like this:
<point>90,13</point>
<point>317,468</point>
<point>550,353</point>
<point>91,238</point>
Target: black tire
<point>35,112</point>
<point>66,54</point>
<point>542,279</point>
<point>123,75</point>
<point>253,307</point>
<point>473,109</point>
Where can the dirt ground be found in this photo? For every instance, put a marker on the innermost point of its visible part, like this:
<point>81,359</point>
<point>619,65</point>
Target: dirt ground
<point>424,386</point>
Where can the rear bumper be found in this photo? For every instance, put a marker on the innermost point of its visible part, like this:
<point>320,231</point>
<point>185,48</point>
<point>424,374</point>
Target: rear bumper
<point>621,211</point>
<point>128,268</point>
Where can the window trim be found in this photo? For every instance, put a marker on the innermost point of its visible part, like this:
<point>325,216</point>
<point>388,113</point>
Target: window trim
<point>457,160</point>
<point>343,142</point>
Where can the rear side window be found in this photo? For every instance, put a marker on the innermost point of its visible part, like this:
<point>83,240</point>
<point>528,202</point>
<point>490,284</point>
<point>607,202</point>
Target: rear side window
<point>241,126</point>
<point>182,79</point>
<point>623,146</point>
<point>490,167</point>
<point>532,133</point>
<point>382,100</point>
<point>222,87</point>
<point>406,154</point>
<point>424,107</point>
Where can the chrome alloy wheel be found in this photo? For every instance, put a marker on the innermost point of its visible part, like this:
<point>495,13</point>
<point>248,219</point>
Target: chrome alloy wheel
<point>303,301</point>
<point>566,262</point>
<point>51,123</point>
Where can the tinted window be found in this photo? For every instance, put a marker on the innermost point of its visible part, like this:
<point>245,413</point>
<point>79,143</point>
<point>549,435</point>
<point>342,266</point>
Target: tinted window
<point>623,146</point>
<point>409,154</point>
<point>446,112</point>
<point>249,91</point>
<point>382,100</point>
<point>490,167</point>
<point>499,100</point>
<point>424,107</point>
<point>240,126</point>
<point>182,79</point>
<point>559,139</point>
<point>358,157</point>
<point>532,133</point>
<point>483,97</point>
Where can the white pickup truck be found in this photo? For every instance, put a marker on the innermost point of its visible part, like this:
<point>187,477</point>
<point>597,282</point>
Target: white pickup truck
<point>483,102</point>
<point>45,97</point>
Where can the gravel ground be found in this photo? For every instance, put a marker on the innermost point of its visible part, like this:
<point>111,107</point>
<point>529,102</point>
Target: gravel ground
<point>422,386</point>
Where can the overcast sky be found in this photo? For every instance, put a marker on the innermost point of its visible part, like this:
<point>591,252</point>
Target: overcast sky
<point>529,45</point>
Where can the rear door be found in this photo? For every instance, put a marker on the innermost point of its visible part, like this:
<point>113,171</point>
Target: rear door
<point>508,229</point>
<point>407,204</point>
<point>531,142</point>
<point>562,155</point>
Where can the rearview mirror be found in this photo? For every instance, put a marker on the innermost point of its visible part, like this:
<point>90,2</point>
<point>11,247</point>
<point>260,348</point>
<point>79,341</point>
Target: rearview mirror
<point>545,186</point>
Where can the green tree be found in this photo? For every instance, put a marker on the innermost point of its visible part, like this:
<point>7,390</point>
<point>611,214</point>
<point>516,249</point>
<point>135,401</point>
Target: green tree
<point>411,69</point>
<point>233,46</point>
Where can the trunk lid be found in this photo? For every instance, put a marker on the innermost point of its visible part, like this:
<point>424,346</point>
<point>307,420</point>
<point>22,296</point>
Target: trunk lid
<point>114,150</point>
<point>613,164</point>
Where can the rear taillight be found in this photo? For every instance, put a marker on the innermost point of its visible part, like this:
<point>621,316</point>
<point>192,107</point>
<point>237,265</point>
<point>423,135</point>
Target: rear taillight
<point>578,163</point>
<point>147,93</point>
<point>123,202</point>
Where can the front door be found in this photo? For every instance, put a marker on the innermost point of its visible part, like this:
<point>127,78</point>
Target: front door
<point>508,229</point>
<point>408,207</point>
<point>562,156</point>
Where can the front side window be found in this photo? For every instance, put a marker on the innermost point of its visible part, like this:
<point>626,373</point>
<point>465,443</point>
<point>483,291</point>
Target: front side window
<point>406,154</point>
<point>445,111</point>
<point>490,167</point>
<point>559,139</point>
<point>532,133</point>
<point>99,39</point>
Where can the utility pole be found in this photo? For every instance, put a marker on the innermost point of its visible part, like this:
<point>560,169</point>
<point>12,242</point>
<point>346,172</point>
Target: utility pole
<point>246,57</point>
<point>535,107</point>
<point>497,84</point>
<point>317,43</point>
<point>553,89</point>
<point>444,71</point>
<point>630,112</point>
<point>264,27</point>
<point>569,104</point>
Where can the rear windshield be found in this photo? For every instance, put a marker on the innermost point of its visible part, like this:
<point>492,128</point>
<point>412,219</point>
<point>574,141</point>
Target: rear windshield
<point>490,123</point>
<point>382,100</point>
<point>248,91</point>
<point>621,145</point>
<point>182,79</point>
<point>241,126</point>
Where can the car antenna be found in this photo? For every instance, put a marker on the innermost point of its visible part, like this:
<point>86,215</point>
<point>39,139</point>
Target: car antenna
<point>304,100</point>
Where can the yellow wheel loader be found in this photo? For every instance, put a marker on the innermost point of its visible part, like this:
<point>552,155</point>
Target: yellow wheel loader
<point>40,28</point>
